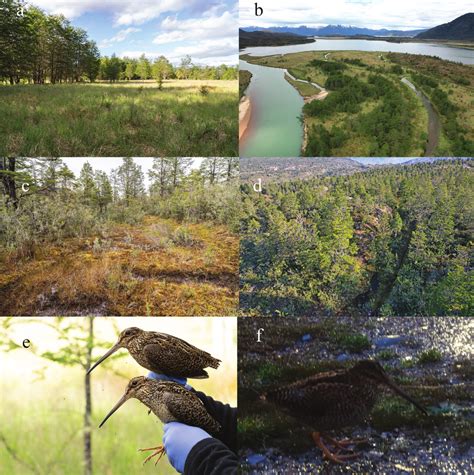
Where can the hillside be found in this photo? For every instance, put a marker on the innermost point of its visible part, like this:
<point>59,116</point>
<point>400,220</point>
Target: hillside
<point>285,169</point>
<point>462,28</point>
<point>336,30</point>
<point>267,38</point>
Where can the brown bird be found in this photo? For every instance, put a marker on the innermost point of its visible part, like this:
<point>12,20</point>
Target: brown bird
<point>163,354</point>
<point>170,402</point>
<point>336,399</point>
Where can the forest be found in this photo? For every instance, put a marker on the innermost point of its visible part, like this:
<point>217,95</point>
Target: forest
<point>40,48</point>
<point>119,242</point>
<point>390,241</point>
<point>60,98</point>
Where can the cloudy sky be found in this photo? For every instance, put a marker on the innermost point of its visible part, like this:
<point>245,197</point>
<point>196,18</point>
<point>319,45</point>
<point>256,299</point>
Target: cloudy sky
<point>207,30</point>
<point>391,14</point>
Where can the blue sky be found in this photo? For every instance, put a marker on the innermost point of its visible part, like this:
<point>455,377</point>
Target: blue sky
<point>207,30</point>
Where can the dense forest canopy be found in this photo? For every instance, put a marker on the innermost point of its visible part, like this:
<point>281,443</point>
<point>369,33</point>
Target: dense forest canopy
<point>39,48</point>
<point>58,204</point>
<point>393,241</point>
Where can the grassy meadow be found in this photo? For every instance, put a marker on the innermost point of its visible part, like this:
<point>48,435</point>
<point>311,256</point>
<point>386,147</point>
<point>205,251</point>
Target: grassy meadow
<point>43,402</point>
<point>185,118</point>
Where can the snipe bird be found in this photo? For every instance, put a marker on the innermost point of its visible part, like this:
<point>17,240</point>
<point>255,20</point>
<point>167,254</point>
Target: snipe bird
<point>170,402</point>
<point>163,354</point>
<point>334,400</point>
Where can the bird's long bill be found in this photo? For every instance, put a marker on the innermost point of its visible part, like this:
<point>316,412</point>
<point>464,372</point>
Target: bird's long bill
<point>123,399</point>
<point>404,395</point>
<point>110,352</point>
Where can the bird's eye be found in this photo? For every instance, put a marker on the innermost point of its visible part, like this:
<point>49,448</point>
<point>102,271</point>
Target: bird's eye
<point>134,383</point>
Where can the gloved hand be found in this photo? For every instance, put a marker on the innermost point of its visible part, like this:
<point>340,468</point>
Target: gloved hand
<point>178,440</point>
<point>164,377</point>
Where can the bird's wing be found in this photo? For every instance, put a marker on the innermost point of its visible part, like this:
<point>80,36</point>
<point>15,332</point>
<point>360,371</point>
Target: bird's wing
<point>187,408</point>
<point>317,394</point>
<point>181,345</point>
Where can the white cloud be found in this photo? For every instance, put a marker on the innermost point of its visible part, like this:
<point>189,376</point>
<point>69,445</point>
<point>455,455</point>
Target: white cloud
<point>125,12</point>
<point>210,52</point>
<point>122,35</point>
<point>212,26</point>
<point>392,14</point>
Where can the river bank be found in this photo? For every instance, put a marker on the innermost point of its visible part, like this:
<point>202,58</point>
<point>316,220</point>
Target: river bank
<point>245,109</point>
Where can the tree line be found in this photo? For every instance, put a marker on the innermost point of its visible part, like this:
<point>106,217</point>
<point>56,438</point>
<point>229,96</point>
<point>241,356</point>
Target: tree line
<point>39,48</point>
<point>58,204</point>
<point>393,241</point>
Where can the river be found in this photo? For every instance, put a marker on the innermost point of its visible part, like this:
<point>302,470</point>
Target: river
<point>275,129</point>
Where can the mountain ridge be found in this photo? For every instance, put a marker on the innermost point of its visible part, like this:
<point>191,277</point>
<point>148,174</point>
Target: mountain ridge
<point>461,28</point>
<point>334,30</point>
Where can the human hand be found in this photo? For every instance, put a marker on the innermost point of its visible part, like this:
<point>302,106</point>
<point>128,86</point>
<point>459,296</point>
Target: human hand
<point>179,439</point>
<point>164,377</point>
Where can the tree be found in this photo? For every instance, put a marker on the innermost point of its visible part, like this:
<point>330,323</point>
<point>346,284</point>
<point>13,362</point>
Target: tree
<point>87,184</point>
<point>162,68</point>
<point>144,68</point>
<point>77,340</point>
<point>131,180</point>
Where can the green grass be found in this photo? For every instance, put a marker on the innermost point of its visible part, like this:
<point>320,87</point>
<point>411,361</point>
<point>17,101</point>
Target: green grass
<point>45,432</point>
<point>430,356</point>
<point>119,119</point>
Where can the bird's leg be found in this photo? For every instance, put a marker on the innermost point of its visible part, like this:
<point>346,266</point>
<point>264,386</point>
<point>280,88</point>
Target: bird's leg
<point>327,454</point>
<point>158,451</point>
<point>343,444</point>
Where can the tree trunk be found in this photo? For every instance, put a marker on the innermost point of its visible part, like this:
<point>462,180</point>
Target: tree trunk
<point>7,166</point>
<point>88,408</point>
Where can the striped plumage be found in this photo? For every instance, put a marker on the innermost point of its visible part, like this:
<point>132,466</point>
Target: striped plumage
<point>163,354</point>
<point>334,400</point>
<point>330,400</point>
<point>170,402</point>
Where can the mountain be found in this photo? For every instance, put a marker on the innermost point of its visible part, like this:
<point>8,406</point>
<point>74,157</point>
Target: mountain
<point>462,28</point>
<point>335,30</point>
<point>268,38</point>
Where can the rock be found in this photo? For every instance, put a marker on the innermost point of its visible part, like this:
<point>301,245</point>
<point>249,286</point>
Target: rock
<point>389,340</point>
<point>255,459</point>
<point>342,357</point>
<point>376,454</point>
<point>306,338</point>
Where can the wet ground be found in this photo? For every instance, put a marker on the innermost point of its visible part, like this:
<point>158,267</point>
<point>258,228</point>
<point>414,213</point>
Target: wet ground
<point>430,357</point>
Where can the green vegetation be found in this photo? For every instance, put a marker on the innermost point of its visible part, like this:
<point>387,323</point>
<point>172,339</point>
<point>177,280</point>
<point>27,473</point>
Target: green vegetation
<point>119,120</point>
<point>48,48</point>
<point>370,112</point>
<point>449,86</point>
<point>430,356</point>
<point>267,38</point>
<point>106,244</point>
<point>394,241</point>
<point>244,81</point>
<point>161,110</point>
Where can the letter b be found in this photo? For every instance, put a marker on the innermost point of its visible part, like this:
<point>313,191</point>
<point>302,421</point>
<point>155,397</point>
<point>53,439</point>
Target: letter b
<point>258,10</point>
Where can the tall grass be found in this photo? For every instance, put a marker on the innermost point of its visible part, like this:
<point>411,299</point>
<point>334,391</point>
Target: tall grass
<point>119,120</point>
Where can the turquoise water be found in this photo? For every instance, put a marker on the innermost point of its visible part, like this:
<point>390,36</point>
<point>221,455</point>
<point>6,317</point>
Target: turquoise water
<point>275,129</point>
